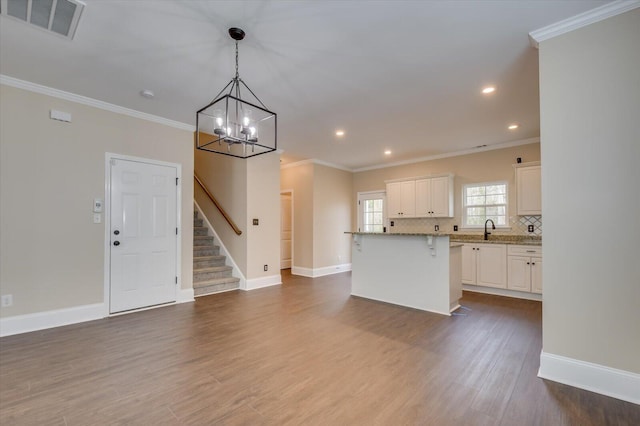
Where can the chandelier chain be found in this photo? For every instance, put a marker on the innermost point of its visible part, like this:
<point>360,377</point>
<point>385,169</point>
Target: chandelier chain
<point>237,74</point>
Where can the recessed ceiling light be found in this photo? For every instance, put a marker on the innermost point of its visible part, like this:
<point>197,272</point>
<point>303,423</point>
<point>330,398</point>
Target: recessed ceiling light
<point>339,132</point>
<point>488,89</point>
<point>146,93</point>
<point>513,126</point>
<point>387,152</point>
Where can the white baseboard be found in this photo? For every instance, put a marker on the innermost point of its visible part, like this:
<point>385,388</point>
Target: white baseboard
<point>261,282</point>
<point>619,384</point>
<point>185,295</point>
<point>319,272</point>
<point>50,319</point>
<point>502,292</point>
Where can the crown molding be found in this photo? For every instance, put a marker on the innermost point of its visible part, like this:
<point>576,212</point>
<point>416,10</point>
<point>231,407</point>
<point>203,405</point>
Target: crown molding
<point>451,154</point>
<point>315,161</point>
<point>72,97</point>
<point>582,20</point>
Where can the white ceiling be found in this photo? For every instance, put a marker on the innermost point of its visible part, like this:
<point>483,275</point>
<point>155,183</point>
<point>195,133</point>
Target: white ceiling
<point>399,75</point>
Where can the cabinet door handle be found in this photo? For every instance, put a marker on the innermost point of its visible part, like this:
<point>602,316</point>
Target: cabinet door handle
<point>533,263</point>
<point>528,263</point>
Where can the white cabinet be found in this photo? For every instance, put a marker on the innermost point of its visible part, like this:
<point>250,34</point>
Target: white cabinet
<point>434,197</point>
<point>401,199</point>
<point>420,197</point>
<point>485,265</point>
<point>524,268</point>
<point>528,190</point>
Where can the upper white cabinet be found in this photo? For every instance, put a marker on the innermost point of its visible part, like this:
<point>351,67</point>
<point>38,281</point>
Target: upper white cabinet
<point>420,197</point>
<point>434,197</point>
<point>401,199</point>
<point>528,188</point>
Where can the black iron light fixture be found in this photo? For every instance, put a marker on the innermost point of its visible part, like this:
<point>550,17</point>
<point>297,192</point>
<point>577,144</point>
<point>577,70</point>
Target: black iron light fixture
<point>236,122</point>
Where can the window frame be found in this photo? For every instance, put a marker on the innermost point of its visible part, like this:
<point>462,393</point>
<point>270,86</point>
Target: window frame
<point>368,195</point>
<point>464,224</point>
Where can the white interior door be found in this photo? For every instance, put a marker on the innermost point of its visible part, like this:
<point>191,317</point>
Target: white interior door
<point>143,222</point>
<point>286,230</point>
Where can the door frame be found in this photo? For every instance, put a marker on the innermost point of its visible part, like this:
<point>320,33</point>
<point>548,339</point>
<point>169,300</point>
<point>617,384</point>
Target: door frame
<point>293,221</point>
<point>107,226</point>
<point>359,211</point>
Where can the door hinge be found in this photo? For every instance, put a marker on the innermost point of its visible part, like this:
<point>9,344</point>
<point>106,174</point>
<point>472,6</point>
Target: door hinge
<point>176,280</point>
<point>176,231</point>
<point>358,202</point>
<point>177,181</point>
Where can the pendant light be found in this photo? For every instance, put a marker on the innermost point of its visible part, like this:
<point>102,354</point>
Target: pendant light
<point>236,122</point>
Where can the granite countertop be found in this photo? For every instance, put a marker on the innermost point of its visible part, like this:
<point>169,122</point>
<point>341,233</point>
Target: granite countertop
<point>526,240</point>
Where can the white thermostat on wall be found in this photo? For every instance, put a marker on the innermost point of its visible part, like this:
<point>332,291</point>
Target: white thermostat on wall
<point>97,205</point>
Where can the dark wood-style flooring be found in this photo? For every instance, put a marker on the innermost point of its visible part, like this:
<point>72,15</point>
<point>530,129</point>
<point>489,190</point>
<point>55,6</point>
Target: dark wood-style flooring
<point>304,353</point>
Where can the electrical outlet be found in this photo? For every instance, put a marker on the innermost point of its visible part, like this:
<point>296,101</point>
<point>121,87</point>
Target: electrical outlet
<point>436,228</point>
<point>256,222</point>
<point>266,267</point>
<point>391,224</point>
<point>7,300</point>
<point>455,228</point>
<point>530,228</point>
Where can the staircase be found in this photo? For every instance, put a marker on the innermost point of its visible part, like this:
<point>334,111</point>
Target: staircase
<point>210,274</point>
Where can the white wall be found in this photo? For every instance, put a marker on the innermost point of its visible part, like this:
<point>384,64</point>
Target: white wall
<point>590,136</point>
<point>51,252</point>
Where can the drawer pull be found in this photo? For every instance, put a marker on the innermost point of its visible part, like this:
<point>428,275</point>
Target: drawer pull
<point>531,251</point>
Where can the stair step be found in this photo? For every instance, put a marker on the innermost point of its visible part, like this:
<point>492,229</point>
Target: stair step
<point>200,262</point>
<point>211,273</point>
<point>215,286</point>
<point>203,240</point>
<point>199,251</point>
<point>200,231</point>
<point>198,222</point>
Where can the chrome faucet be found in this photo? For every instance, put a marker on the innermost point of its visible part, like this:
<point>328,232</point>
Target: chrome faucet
<point>486,233</point>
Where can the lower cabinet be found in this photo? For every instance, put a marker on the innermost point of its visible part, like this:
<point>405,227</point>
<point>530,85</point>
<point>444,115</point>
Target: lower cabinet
<point>485,265</point>
<point>524,268</point>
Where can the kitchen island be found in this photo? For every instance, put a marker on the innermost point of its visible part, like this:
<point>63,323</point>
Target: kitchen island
<point>417,270</point>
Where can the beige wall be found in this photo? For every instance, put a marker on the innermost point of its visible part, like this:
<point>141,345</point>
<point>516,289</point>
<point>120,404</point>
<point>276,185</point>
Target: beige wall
<point>226,179</point>
<point>246,189</point>
<point>263,203</point>
<point>51,252</point>
<point>300,180</point>
<point>484,166</point>
<point>322,205</point>
<point>590,132</point>
<point>332,205</point>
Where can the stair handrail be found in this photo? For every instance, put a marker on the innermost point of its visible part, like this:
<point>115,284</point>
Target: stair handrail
<point>218,206</point>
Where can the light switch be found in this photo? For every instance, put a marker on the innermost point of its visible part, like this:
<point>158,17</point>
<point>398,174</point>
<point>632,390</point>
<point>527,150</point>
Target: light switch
<point>97,205</point>
<point>97,218</point>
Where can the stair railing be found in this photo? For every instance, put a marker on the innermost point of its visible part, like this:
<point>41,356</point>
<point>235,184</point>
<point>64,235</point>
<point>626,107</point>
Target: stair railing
<point>218,206</point>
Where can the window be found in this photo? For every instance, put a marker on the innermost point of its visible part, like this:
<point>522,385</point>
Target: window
<point>371,214</point>
<point>485,201</point>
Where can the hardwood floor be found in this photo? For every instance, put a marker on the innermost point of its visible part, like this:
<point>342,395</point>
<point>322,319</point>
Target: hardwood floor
<point>301,353</point>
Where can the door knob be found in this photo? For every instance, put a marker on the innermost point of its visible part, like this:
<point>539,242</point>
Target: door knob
<point>116,232</point>
<point>116,243</point>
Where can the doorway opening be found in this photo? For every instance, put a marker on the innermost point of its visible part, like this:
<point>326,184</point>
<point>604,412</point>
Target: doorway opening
<point>286,229</point>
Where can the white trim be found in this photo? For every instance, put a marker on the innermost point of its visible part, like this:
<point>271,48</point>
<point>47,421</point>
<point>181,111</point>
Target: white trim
<point>107,221</point>
<point>293,222</point>
<point>581,20</point>
<point>50,319</point>
<point>185,295</point>
<point>502,292</point>
<point>255,283</point>
<point>315,161</point>
<point>320,272</point>
<point>72,97</point>
<point>451,154</point>
<point>608,381</point>
<point>223,249</point>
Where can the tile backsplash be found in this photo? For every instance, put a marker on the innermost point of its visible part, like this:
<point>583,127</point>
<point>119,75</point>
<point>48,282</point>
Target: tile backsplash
<point>518,224</point>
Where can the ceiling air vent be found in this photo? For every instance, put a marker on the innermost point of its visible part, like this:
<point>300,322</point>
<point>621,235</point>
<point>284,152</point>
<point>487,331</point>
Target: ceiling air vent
<point>58,16</point>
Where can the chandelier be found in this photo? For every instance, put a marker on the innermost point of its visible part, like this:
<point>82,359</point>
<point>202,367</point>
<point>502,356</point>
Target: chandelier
<point>236,122</point>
